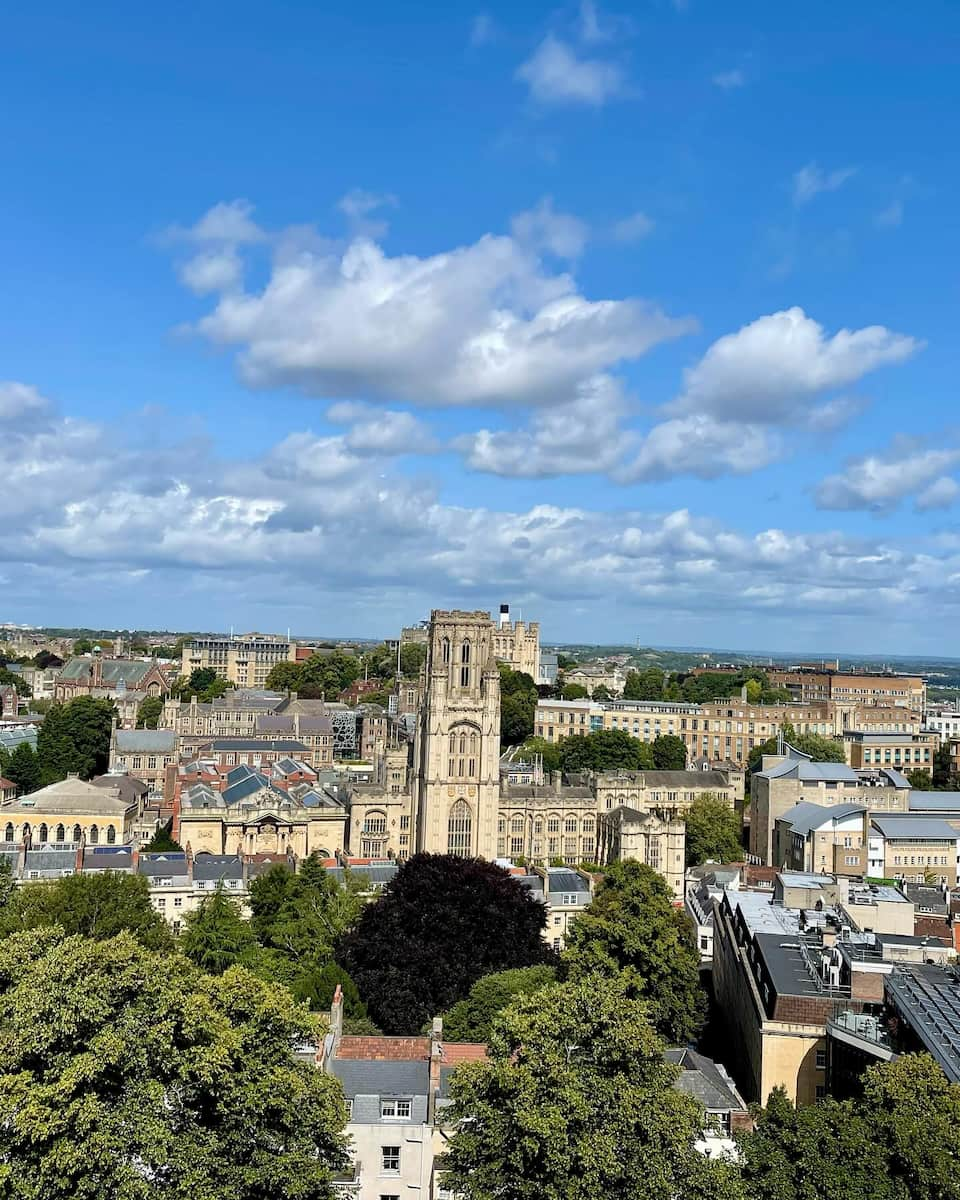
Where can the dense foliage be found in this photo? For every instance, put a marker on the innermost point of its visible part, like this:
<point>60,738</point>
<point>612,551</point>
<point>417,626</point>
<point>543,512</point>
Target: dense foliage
<point>127,1074</point>
<point>605,750</point>
<point>149,712</point>
<point>820,749</point>
<point>576,1102</point>
<point>94,906</point>
<point>900,1141</point>
<point>75,738</point>
<point>518,705</point>
<point>471,1019</point>
<point>317,677</point>
<point>632,926</point>
<point>714,831</point>
<point>440,925</point>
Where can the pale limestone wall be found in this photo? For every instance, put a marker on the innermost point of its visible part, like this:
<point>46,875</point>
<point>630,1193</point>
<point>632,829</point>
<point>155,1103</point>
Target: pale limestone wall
<point>457,745</point>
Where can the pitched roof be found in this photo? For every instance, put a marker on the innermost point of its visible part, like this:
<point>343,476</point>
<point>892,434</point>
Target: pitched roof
<point>112,670</point>
<point>293,747</point>
<point>72,796</point>
<point>804,817</point>
<point>796,768</point>
<point>892,826</point>
<point>146,741</point>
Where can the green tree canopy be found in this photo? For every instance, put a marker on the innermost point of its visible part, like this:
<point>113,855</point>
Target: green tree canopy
<point>920,779</point>
<point>149,712</point>
<point>669,752</point>
<point>713,831</point>
<point>549,751</point>
<point>605,750</point>
<point>576,1102</point>
<point>899,1141</point>
<point>412,657</point>
<point>94,906</point>
<point>162,842</point>
<point>471,1019</point>
<point>437,927</point>
<point>127,1074</point>
<point>17,682</point>
<point>631,925</point>
<point>75,737</point>
<point>821,749</point>
<point>22,767</point>
<point>518,705</point>
<point>573,691</point>
<point>647,684</point>
<point>284,677</point>
<point>82,646</point>
<point>216,936</point>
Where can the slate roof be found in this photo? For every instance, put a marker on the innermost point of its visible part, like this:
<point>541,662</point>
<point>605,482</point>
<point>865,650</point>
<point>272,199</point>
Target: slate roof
<point>217,866</point>
<point>107,858</point>
<point>561,880</point>
<point>112,670</point>
<point>934,802</point>
<point>804,817</point>
<point>252,744</point>
<point>705,1080</point>
<point>10,739</point>
<point>812,771</point>
<point>914,827</point>
<point>377,873</point>
<point>146,741</point>
<point>173,863</point>
<point>382,1077</point>
<point>50,860</point>
<point>128,787</point>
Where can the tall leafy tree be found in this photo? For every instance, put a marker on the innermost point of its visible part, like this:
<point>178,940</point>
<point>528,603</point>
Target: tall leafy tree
<point>631,925</point>
<point>438,926</point>
<point>23,769</point>
<point>669,752</point>
<point>95,906</point>
<point>128,1075</point>
<point>576,1102</point>
<point>647,684</point>
<point>714,831</point>
<point>605,750</point>
<point>471,1019</point>
<point>518,705</point>
<point>149,712</point>
<point>284,677</point>
<point>216,936</point>
<point>821,749</point>
<point>75,737</point>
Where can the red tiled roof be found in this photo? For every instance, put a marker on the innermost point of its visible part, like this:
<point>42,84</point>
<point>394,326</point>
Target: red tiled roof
<point>5,784</point>
<point>461,1052</point>
<point>397,1049</point>
<point>408,1049</point>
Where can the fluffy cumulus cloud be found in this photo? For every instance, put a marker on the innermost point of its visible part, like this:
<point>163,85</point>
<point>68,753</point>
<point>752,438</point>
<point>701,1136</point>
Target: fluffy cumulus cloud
<point>319,521</point>
<point>773,370</point>
<point>482,324</point>
<point>557,73</point>
<point>543,228</point>
<point>701,446</point>
<point>879,482</point>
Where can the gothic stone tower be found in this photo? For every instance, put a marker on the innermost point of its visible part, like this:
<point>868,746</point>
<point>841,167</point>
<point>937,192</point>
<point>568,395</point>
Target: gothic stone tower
<point>456,757</point>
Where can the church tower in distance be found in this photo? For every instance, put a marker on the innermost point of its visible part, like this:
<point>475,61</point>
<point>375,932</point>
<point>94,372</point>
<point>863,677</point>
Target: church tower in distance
<point>456,754</point>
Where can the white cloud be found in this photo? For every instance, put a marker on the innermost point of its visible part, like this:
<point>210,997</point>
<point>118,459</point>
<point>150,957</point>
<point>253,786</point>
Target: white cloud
<point>229,221</point>
<point>729,79</point>
<point>631,229</point>
<point>555,74</point>
<point>703,447</point>
<point>581,437</point>
<point>542,228</point>
<point>215,270</point>
<point>891,217</point>
<point>811,180</point>
<point>358,206</point>
<point>483,324</point>
<point>770,370</point>
<point>482,30</point>
<point>373,431</point>
<point>942,493</point>
<point>89,511</point>
<point>21,404</point>
<point>879,482</point>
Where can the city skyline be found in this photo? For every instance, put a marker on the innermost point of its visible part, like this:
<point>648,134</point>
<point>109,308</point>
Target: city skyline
<point>638,320</point>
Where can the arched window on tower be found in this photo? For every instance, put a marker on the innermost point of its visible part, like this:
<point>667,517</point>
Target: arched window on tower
<point>94,835</point>
<point>8,833</point>
<point>465,663</point>
<point>77,833</point>
<point>445,650</point>
<point>60,834</point>
<point>459,829</point>
<point>43,832</point>
<point>111,835</point>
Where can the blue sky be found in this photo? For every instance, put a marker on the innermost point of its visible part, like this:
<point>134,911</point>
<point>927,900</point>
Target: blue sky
<point>640,318</point>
